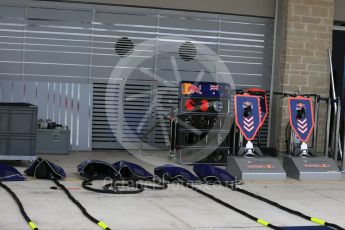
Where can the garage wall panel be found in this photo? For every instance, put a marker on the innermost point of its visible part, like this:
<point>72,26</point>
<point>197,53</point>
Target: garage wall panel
<point>61,56</point>
<point>263,8</point>
<point>12,25</point>
<point>246,49</point>
<point>108,28</point>
<point>57,44</point>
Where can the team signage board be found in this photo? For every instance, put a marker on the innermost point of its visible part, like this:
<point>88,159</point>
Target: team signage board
<point>263,102</point>
<point>247,114</point>
<point>301,116</point>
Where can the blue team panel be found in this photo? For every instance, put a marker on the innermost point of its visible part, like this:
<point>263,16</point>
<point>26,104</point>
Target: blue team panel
<point>301,117</point>
<point>247,112</point>
<point>263,102</point>
<point>263,109</point>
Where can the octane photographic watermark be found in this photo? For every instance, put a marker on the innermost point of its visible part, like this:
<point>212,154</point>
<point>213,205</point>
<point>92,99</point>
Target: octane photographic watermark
<point>128,185</point>
<point>148,75</point>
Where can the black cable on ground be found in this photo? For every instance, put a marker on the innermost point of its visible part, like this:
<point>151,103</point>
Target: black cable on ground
<point>258,220</point>
<point>80,206</point>
<point>20,206</point>
<point>289,210</point>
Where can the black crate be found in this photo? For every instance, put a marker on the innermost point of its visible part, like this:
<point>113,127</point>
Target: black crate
<point>18,144</point>
<point>18,118</point>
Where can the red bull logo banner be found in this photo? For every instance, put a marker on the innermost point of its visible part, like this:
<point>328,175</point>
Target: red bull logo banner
<point>205,89</point>
<point>247,115</point>
<point>189,88</point>
<point>301,116</point>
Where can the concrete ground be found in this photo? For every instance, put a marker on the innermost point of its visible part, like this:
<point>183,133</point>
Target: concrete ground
<point>174,208</point>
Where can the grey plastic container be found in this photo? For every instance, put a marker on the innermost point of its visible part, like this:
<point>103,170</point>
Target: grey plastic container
<point>53,141</point>
<point>17,145</point>
<point>18,118</point>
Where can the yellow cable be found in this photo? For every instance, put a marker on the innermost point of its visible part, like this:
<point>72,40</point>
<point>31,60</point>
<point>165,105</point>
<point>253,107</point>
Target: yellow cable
<point>318,221</point>
<point>102,225</point>
<point>32,225</point>
<point>263,222</point>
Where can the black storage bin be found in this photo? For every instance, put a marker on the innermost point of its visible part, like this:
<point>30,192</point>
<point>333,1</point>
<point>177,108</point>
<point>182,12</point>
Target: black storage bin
<point>18,144</point>
<point>18,131</point>
<point>18,118</point>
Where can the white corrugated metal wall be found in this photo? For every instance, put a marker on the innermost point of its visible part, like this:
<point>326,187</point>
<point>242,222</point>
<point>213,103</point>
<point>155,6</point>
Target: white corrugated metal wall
<point>60,56</point>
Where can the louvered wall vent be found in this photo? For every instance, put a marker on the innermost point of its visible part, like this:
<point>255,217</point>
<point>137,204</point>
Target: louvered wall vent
<point>187,51</point>
<point>124,47</point>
